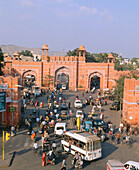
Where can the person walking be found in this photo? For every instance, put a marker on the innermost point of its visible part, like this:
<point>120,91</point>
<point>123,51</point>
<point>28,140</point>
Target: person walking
<point>44,159</point>
<point>63,167</point>
<point>38,112</point>
<point>35,146</point>
<point>69,105</point>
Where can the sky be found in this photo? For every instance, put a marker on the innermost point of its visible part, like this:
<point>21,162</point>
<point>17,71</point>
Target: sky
<point>99,25</point>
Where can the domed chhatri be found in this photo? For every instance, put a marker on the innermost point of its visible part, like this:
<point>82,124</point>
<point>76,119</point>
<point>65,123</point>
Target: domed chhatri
<point>16,53</point>
<point>82,48</point>
<point>45,47</point>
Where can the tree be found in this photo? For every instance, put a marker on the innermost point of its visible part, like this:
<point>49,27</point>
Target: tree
<point>1,60</point>
<point>119,88</point>
<point>26,53</point>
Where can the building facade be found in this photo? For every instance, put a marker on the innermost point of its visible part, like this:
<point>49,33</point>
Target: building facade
<point>12,113</point>
<point>131,101</point>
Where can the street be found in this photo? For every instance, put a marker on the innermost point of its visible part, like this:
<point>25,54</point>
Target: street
<point>26,159</point>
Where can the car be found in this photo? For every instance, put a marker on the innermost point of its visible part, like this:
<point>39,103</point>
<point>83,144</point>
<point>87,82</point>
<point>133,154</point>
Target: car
<point>80,113</point>
<point>99,122</point>
<point>64,114</point>
<point>63,87</point>
<point>115,105</point>
<point>63,106</point>
<point>78,104</point>
<point>60,129</point>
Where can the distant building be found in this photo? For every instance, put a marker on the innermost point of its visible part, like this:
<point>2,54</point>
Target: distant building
<point>12,113</point>
<point>131,101</point>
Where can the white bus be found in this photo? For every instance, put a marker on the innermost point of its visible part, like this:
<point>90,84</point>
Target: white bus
<point>87,145</point>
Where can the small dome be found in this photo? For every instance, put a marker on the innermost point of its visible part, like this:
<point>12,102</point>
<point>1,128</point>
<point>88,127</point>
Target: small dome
<point>110,56</point>
<point>16,53</point>
<point>45,47</point>
<point>82,48</point>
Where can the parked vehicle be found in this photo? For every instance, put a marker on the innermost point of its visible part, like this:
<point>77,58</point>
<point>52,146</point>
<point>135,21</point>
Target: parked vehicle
<point>115,165</point>
<point>60,129</point>
<point>78,104</point>
<point>80,113</point>
<point>63,106</point>
<point>88,145</point>
<point>64,114</point>
<point>131,165</point>
<point>100,122</point>
<point>115,105</point>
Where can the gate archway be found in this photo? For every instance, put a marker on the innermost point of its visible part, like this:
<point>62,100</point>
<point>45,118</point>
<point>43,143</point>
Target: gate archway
<point>62,77</point>
<point>95,80</point>
<point>29,78</point>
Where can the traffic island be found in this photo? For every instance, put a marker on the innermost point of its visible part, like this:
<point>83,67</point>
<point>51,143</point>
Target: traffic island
<point>8,160</point>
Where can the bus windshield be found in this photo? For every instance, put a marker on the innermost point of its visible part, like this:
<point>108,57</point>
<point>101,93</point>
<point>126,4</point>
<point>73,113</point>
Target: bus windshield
<point>96,145</point>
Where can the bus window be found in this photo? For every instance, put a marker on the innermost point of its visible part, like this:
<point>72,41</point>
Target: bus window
<point>96,145</point>
<point>76,142</point>
<point>82,145</point>
<point>66,138</point>
<point>87,146</point>
<point>90,146</point>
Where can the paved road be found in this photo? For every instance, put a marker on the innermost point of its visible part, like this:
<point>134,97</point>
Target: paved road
<point>22,144</point>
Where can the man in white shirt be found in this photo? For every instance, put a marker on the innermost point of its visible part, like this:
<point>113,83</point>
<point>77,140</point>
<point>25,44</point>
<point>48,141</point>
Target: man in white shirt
<point>35,146</point>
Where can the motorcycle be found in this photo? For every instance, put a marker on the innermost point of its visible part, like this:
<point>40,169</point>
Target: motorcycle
<point>51,161</point>
<point>77,164</point>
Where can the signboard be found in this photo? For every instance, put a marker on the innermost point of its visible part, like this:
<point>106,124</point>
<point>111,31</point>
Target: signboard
<point>8,99</point>
<point>3,86</point>
<point>12,109</point>
<point>2,101</point>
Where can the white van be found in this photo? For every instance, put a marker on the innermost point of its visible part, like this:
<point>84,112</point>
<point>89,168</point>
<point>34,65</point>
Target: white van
<point>36,90</point>
<point>60,129</point>
<point>131,165</point>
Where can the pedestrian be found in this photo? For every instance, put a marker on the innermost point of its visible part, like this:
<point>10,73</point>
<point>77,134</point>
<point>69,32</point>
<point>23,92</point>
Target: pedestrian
<point>12,130</point>
<point>63,167</point>
<point>101,115</point>
<point>44,159</point>
<point>70,142</point>
<point>106,101</point>
<point>15,126</point>
<point>35,146</point>
<point>69,105</point>
<point>70,113</point>
<point>38,112</point>
<point>54,146</point>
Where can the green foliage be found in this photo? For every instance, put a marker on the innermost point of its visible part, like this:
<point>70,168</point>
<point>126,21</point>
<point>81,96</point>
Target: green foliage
<point>101,57</point>
<point>75,52</point>
<point>26,53</point>
<point>1,59</point>
<point>119,88</point>
<point>88,56</point>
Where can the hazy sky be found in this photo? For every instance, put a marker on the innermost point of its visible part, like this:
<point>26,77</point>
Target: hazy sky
<point>100,25</point>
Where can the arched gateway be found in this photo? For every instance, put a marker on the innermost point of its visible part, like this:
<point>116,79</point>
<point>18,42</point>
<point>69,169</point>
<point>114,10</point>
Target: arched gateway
<point>78,74</point>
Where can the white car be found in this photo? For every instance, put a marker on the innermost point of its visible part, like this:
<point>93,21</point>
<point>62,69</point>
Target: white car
<point>60,129</point>
<point>63,87</point>
<point>79,113</point>
<point>78,104</point>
